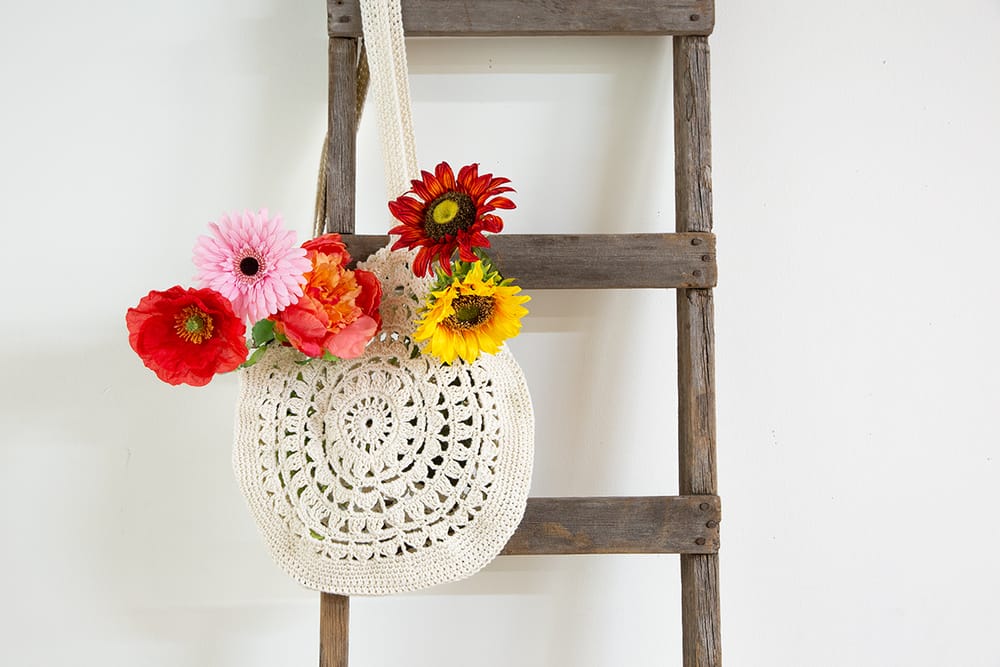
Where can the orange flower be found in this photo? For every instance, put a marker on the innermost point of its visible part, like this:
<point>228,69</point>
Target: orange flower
<point>338,311</point>
<point>448,214</point>
<point>328,244</point>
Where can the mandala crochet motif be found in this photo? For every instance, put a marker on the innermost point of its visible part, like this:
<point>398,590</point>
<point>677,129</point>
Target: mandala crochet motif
<point>389,472</point>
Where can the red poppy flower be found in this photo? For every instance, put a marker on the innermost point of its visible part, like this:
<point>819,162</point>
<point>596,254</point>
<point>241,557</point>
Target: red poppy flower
<point>187,335</point>
<point>446,214</point>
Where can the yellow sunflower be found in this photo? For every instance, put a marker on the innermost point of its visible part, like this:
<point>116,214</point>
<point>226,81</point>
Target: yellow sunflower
<point>473,313</point>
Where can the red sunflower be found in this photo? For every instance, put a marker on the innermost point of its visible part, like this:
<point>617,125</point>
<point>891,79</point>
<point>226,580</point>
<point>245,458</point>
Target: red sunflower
<point>446,214</point>
<point>187,335</point>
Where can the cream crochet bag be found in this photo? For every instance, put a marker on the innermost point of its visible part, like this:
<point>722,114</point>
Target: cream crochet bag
<point>389,472</point>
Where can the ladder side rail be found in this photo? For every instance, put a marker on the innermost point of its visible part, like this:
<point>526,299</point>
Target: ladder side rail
<point>334,610</point>
<point>700,614</point>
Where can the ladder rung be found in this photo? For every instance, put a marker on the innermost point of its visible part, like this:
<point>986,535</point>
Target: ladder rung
<point>430,18</point>
<point>592,261</point>
<point>639,525</point>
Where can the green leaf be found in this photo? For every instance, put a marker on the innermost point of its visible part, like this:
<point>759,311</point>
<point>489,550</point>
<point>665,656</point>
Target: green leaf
<point>262,332</point>
<point>254,357</point>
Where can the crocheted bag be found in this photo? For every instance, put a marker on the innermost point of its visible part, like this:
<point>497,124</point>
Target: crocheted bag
<point>389,472</point>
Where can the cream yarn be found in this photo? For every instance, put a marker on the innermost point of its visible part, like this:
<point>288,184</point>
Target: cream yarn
<point>382,22</point>
<point>390,472</point>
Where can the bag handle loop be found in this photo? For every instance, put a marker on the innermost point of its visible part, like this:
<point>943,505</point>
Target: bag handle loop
<point>383,67</point>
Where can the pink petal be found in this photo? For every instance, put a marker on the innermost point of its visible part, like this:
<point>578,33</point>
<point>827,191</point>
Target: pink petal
<point>350,341</point>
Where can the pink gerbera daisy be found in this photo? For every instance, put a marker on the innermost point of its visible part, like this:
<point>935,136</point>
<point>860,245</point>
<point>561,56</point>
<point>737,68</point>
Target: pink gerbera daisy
<point>252,261</point>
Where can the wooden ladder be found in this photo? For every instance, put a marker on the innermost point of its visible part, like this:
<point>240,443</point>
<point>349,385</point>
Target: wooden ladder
<point>687,524</point>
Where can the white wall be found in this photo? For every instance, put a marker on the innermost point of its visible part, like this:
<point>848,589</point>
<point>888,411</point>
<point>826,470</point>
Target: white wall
<point>855,174</point>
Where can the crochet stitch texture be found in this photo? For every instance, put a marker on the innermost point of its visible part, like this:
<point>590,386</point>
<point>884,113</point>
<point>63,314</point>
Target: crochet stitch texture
<point>389,472</point>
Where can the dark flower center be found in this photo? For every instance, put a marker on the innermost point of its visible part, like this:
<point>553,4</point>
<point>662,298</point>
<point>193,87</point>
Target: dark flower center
<point>449,213</point>
<point>249,266</point>
<point>193,325</point>
<point>470,311</point>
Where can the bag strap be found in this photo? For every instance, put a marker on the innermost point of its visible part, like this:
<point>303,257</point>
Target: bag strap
<point>382,25</point>
<point>381,66</point>
<point>319,208</point>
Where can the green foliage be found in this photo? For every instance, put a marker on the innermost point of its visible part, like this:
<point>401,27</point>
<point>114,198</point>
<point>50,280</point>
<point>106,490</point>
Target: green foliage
<point>262,333</point>
<point>254,357</point>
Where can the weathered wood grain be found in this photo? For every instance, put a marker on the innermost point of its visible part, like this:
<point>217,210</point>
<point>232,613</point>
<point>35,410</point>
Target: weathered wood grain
<point>342,103</point>
<point>628,525</point>
<point>701,632</point>
<point>692,135</point>
<point>334,623</point>
<point>700,615</point>
<point>696,391</point>
<point>427,18</point>
<point>695,321</point>
<point>589,261</point>
<point>342,108</point>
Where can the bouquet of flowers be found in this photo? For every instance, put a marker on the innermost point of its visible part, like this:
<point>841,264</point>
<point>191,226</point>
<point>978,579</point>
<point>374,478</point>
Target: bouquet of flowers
<point>471,308</point>
<point>251,271</point>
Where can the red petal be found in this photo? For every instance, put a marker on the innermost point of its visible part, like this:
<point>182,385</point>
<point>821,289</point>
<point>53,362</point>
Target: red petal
<point>433,185</point>
<point>421,262</point>
<point>371,295</point>
<point>492,223</point>
<point>445,175</point>
<point>445,262</point>
<point>405,216</point>
<point>414,210</point>
<point>420,189</point>
<point>407,238</point>
<point>496,182</point>
<point>401,243</point>
<point>468,174</point>
<point>305,324</point>
<point>408,204</point>
<point>329,244</point>
<point>501,202</point>
<point>477,190</point>
<point>478,240</point>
